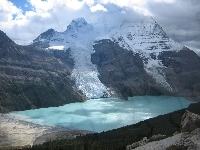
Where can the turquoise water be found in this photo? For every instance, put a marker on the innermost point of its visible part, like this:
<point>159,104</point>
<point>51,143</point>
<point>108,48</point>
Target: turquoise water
<point>104,114</point>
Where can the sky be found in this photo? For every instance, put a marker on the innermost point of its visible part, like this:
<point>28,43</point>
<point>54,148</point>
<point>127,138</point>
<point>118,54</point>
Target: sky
<point>24,20</point>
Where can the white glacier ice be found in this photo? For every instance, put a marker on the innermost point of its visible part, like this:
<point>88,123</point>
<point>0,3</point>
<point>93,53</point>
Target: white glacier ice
<point>56,48</point>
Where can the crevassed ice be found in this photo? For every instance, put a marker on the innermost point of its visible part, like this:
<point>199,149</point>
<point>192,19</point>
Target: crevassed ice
<point>86,74</point>
<point>89,83</point>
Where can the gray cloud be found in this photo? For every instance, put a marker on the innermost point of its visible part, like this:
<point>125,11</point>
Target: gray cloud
<point>180,20</point>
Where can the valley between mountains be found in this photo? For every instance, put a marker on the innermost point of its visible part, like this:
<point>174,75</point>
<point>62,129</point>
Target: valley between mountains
<point>85,61</point>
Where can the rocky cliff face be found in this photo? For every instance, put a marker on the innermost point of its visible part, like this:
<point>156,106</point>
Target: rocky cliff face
<point>190,122</point>
<point>182,70</point>
<point>33,78</point>
<point>123,71</point>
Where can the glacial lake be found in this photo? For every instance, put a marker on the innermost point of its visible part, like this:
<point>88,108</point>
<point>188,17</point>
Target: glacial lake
<point>104,114</point>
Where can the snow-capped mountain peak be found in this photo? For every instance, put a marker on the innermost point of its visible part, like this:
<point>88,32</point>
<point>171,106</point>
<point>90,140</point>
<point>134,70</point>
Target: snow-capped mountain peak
<point>148,39</point>
<point>145,37</point>
<point>146,27</point>
<point>78,38</point>
<point>46,35</point>
<point>78,22</point>
<point>79,26</point>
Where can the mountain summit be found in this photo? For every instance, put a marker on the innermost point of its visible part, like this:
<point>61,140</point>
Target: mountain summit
<point>77,23</point>
<point>146,58</point>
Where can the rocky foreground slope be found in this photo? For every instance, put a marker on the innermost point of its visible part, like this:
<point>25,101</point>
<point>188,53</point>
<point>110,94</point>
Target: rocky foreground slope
<point>188,139</point>
<point>31,78</point>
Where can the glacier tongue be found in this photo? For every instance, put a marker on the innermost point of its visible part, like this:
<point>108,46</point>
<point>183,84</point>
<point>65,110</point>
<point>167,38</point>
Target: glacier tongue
<point>85,73</point>
<point>88,82</point>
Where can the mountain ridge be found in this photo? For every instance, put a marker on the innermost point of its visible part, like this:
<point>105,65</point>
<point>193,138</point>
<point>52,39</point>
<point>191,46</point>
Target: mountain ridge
<point>31,78</point>
<point>146,39</point>
<point>74,66</point>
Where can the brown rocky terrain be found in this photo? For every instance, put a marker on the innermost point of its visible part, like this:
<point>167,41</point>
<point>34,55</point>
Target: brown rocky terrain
<point>33,78</point>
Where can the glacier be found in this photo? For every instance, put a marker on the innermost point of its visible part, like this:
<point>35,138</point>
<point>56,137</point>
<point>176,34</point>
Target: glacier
<point>79,38</point>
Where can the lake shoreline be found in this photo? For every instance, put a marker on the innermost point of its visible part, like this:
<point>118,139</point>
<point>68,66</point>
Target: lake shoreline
<point>16,133</point>
<point>104,114</point>
<point>34,127</point>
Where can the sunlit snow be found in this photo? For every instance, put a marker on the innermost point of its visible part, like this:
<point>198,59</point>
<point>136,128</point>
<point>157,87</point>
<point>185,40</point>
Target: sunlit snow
<point>56,48</point>
<point>147,37</point>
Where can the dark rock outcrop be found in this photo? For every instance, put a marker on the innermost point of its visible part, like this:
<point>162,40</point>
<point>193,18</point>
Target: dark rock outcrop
<point>189,138</point>
<point>120,70</point>
<point>183,72</point>
<point>9,50</point>
<point>190,122</point>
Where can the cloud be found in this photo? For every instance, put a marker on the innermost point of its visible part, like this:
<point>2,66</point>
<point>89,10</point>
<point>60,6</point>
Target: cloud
<point>97,8</point>
<point>165,1</point>
<point>7,10</point>
<point>125,3</point>
<point>179,18</point>
<point>137,5</point>
<point>44,15</point>
<point>58,14</point>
